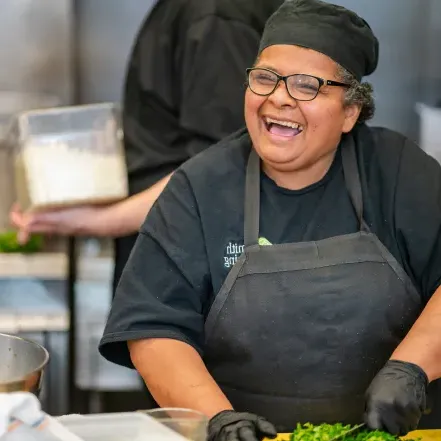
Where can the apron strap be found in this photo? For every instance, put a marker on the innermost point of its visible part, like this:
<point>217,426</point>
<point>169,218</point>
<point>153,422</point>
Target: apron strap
<point>352,179</point>
<point>252,191</point>
<point>252,200</point>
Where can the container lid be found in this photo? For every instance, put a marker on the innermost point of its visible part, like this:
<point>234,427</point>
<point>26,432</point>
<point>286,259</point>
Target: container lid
<point>12,103</point>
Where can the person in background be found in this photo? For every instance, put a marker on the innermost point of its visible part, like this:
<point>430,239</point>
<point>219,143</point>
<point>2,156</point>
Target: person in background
<point>183,92</point>
<point>292,273</point>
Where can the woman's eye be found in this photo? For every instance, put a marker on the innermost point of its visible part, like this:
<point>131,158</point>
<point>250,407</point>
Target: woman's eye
<point>307,87</point>
<point>265,78</point>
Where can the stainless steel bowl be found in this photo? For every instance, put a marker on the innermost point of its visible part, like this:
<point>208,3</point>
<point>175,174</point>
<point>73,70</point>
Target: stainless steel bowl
<point>22,363</point>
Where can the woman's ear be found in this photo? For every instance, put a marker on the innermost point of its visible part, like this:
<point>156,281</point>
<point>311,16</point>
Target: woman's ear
<point>352,112</point>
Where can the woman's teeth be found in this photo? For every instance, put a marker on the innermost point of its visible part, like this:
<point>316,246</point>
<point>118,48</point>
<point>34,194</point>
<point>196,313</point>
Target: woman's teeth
<point>283,128</point>
<point>290,124</point>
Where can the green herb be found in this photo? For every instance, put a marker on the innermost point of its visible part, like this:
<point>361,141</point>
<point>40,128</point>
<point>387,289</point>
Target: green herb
<point>325,432</point>
<point>264,242</point>
<point>10,244</point>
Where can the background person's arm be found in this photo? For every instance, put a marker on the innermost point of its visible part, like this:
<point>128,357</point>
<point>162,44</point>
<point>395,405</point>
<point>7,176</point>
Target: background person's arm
<point>119,219</point>
<point>176,376</point>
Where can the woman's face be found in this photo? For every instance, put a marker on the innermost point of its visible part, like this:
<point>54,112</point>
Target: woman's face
<point>322,120</point>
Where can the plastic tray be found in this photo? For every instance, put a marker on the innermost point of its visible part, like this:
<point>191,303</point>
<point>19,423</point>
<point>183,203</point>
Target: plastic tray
<point>118,427</point>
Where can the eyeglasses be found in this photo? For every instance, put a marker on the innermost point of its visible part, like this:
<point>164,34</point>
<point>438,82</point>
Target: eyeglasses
<point>301,87</point>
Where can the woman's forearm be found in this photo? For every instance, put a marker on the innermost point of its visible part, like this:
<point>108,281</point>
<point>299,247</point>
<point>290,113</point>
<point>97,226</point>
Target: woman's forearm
<point>176,376</point>
<point>422,345</point>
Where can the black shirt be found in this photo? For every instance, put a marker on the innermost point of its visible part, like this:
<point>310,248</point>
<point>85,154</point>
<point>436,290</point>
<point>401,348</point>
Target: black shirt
<point>184,86</point>
<point>194,232</point>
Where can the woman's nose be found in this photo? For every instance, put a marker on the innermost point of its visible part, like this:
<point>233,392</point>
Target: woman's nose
<point>280,97</point>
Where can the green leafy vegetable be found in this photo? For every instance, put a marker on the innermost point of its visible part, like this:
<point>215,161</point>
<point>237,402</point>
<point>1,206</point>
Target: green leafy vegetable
<point>10,244</point>
<point>264,242</point>
<point>325,432</point>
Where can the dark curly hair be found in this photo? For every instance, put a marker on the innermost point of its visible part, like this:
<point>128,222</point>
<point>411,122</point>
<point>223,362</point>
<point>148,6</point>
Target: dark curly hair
<point>358,93</point>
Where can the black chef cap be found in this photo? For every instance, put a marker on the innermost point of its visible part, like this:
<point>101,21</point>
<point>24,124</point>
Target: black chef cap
<point>330,29</point>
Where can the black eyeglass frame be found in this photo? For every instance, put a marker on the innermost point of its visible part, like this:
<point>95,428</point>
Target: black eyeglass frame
<point>322,82</point>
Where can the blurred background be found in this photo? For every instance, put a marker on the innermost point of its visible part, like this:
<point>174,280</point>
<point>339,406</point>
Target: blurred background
<point>69,52</point>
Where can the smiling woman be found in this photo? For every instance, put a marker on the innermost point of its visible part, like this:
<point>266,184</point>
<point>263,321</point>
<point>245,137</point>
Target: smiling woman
<point>291,273</point>
<point>297,158</point>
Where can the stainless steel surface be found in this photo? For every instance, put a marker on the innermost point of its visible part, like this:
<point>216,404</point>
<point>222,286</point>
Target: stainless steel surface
<point>22,364</point>
<point>431,79</point>
<point>105,33</point>
<point>24,298</point>
<point>54,390</point>
<point>36,47</point>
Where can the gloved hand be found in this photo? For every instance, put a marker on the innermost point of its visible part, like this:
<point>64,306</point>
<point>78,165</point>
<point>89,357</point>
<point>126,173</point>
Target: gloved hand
<point>396,398</point>
<point>236,426</point>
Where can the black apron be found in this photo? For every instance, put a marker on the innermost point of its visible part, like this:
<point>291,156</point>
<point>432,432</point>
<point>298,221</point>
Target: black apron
<point>299,330</point>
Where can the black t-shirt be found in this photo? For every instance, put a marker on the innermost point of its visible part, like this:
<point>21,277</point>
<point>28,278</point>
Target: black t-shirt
<point>184,86</point>
<point>194,233</point>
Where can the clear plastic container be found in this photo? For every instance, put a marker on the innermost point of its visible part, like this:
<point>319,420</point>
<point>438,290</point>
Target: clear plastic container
<point>118,427</point>
<point>191,424</point>
<point>11,103</point>
<point>69,156</point>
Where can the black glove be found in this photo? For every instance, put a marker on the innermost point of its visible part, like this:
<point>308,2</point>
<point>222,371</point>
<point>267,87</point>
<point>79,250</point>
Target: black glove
<point>396,398</point>
<point>236,426</point>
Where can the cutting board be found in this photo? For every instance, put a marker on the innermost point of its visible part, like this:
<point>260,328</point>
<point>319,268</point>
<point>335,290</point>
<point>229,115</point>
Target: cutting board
<point>423,435</point>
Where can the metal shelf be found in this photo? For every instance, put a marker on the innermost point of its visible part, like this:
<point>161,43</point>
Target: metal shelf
<point>45,266</point>
<point>13,322</point>
<point>53,266</point>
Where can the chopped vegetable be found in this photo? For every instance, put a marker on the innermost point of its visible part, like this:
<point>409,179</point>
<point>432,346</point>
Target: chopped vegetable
<point>264,242</point>
<point>10,244</point>
<point>325,432</point>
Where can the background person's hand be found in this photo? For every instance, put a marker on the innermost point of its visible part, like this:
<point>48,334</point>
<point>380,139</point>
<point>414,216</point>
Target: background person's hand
<point>82,220</point>
<point>396,398</point>
<point>236,426</point>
